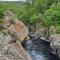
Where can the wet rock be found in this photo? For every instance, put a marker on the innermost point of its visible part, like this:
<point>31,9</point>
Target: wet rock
<point>12,51</point>
<point>40,50</point>
<point>43,33</point>
<point>55,43</point>
<point>52,29</point>
<point>40,32</point>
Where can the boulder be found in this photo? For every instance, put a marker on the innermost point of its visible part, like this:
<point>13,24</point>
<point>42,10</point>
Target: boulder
<point>4,39</point>
<point>12,51</point>
<point>15,27</point>
<point>52,29</point>
<point>15,52</point>
<point>6,22</point>
<point>55,43</point>
<point>19,30</point>
<point>40,32</point>
<point>54,37</point>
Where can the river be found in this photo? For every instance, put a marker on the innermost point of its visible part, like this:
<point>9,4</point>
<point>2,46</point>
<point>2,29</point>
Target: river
<point>39,49</point>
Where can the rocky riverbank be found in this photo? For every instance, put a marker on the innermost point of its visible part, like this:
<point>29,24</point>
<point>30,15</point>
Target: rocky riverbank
<point>15,32</point>
<point>13,50</point>
<point>39,49</point>
<point>51,36</point>
<point>12,35</point>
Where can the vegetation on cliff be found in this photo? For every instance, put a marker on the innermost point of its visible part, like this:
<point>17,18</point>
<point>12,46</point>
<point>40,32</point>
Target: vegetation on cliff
<point>33,11</point>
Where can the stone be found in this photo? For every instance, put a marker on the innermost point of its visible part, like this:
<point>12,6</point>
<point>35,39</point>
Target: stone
<point>19,30</point>
<point>52,29</point>
<point>15,52</point>
<point>12,51</point>
<point>54,37</point>
<point>11,47</point>
<point>6,22</point>
<point>4,39</point>
<point>15,28</point>
<point>55,43</point>
<point>40,32</point>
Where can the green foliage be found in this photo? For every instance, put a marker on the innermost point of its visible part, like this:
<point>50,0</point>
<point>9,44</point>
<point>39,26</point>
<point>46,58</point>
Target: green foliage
<point>58,29</point>
<point>1,25</point>
<point>30,12</point>
<point>1,13</point>
<point>52,16</point>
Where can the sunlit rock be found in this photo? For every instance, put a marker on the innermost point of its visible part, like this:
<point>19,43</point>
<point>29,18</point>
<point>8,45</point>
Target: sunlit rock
<point>55,43</point>
<point>15,52</point>
<point>15,27</point>
<point>4,39</point>
<point>52,29</point>
<point>12,51</point>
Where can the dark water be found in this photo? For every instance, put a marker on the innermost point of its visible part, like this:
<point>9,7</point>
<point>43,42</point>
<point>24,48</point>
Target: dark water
<point>39,49</point>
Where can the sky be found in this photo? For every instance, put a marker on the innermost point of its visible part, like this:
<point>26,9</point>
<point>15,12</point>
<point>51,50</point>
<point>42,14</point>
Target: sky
<point>12,0</point>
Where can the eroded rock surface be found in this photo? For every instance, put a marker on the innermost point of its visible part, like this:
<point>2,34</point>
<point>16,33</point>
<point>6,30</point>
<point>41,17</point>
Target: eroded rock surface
<point>55,43</point>
<point>4,39</point>
<point>14,26</point>
<point>18,30</point>
<point>10,39</point>
<point>13,51</point>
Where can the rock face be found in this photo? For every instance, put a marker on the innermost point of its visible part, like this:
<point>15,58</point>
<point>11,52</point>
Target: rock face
<point>13,51</point>
<point>15,27</point>
<point>19,30</point>
<point>54,40</point>
<point>16,52</point>
<point>10,40</point>
<point>4,39</point>
<point>42,31</point>
<point>52,29</point>
<point>55,43</point>
<point>50,36</point>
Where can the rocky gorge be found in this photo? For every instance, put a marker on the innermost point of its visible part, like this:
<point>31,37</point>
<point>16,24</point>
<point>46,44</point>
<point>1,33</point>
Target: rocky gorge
<point>17,43</point>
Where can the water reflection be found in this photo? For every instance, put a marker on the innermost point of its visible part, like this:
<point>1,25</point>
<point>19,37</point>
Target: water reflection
<point>39,50</point>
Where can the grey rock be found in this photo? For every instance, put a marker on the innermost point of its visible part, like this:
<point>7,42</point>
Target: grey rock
<point>4,39</point>
<point>16,52</point>
<point>13,51</point>
<point>55,43</point>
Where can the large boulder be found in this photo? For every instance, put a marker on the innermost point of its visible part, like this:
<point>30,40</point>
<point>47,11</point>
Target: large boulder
<point>55,43</point>
<point>12,51</point>
<point>14,26</point>
<point>15,52</point>
<point>19,30</point>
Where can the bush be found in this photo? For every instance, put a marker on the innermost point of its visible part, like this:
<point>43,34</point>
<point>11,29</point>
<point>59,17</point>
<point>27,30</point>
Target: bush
<point>52,16</point>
